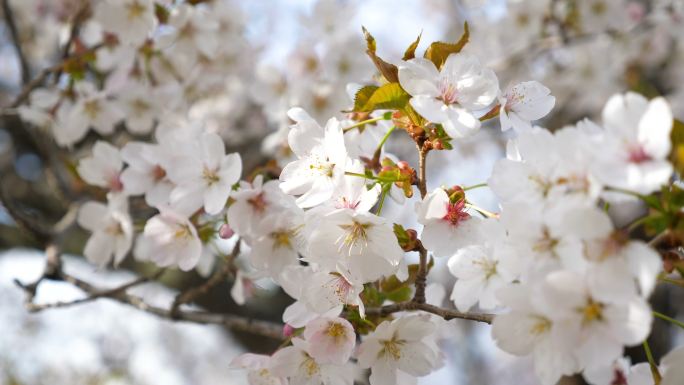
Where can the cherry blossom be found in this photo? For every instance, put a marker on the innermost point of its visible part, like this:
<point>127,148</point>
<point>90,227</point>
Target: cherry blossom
<point>321,159</point>
<point>258,369</point>
<point>204,178</point>
<point>111,227</point>
<point>637,142</point>
<point>450,95</point>
<point>297,364</point>
<point>447,225</point>
<point>524,103</point>
<point>103,168</point>
<point>331,339</point>
<point>170,239</point>
<point>399,348</point>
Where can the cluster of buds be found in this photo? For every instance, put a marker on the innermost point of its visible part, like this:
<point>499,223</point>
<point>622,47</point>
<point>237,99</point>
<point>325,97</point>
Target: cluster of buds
<point>403,175</point>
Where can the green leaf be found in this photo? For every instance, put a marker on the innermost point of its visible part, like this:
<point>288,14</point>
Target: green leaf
<point>439,51</point>
<point>362,96</point>
<point>401,294</point>
<point>389,71</point>
<point>677,138</point>
<point>388,97</point>
<point>410,52</point>
<point>401,233</point>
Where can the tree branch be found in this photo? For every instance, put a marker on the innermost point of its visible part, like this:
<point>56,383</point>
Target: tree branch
<point>447,314</point>
<point>219,276</point>
<point>16,41</point>
<point>119,294</point>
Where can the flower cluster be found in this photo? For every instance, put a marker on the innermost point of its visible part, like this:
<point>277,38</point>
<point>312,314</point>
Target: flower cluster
<point>567,283</point>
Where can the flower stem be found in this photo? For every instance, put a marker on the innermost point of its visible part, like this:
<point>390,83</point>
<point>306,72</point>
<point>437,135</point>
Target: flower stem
<point>362,123</point>
<point>654,368</point>
<point>669,319</point>
<point>473,187</point>
<point>482,211</point>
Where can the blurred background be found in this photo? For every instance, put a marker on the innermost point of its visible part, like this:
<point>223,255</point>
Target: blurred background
<point>279,54</point>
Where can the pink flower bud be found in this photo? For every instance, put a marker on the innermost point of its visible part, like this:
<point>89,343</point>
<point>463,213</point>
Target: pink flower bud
<point>225,231</point>
<point>403,165</point>
<point>288,330</point>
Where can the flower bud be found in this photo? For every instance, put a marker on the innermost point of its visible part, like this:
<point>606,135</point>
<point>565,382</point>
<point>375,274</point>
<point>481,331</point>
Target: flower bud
<point>225,231</point>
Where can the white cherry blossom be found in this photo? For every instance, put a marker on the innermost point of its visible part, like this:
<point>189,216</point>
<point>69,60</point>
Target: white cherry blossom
<point>111,227</point>
<point>524,103</point>
<point>131,20</point>
<point>321,159</point>
<point>450,95</point>
<point>259,368</point>
<point>204,177</point>
<point>634,153</point>
<point>103,167</point>
<point>447,226</point>
<point>297,364</point>
<point>169,239</point>
<point>399,348</point>
<point>362,243</point>
<point>331,340</point>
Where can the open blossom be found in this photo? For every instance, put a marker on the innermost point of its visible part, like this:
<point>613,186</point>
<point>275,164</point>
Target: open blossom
<point>103,167</point>
<point>620,268</point>
<point>170,239</point>
<point>480,270</point>
<point>254,203</point>
<point>111,227</point>
<point>278,244</point>
<point>399,348</point>
<point>528,328</point>
<point>131,20</point>
<point>321,160</point>
<point>193,32</point>
<point>301,368</point>
<point>204,178</point>
<point>541,166</point>
<point>447,226</point>
<point>146,172</point>
<point>140,104</point>
<point>547,237</point>
<point>524,103</point>
<point>92,108</point>
<point>331,339</point>
<point>600,329</point>
<point>450,95</point>
<point>318,294</point>
<point>360,242</point>
<point>637,143</point>
<point>259,369</point>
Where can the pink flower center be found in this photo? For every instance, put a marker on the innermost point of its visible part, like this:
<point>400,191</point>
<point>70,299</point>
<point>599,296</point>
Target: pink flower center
<point>345,203</point>
<point>158,173</point>
<point>637,154</point>
<point>115,183</point>
<point>258,203</point>
<point>448,92</point>
<point>455,213</point>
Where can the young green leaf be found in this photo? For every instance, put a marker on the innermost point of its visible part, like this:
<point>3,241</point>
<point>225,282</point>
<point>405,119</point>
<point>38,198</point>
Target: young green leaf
<point>438,51</point>
<point>389,71</point>
<point>410,52</point>
<point>388,97</point>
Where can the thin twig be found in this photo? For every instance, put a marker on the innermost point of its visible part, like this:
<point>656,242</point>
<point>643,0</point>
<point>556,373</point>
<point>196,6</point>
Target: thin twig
<point>217,278</point>
<point>16,41</point>
<point>40,78</point>
<point>447,314</point>
<point>234,322</point>
<point>92,297</point>
<point>421,276</point>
